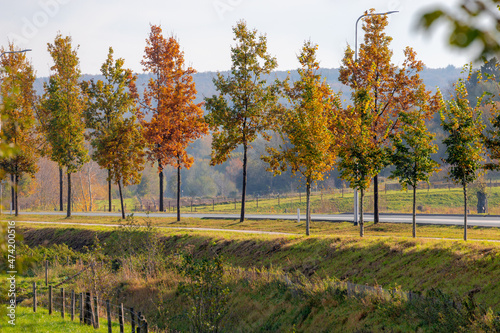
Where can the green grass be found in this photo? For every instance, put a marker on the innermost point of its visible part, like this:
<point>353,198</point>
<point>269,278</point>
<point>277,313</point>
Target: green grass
<point>285,226</point>
<point>432,201</point>
<point>42,322</point>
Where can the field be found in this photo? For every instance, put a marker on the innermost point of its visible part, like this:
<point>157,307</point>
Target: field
<point>429,201</point>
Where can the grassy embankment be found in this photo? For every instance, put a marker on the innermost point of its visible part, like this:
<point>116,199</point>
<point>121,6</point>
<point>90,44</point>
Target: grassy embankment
<point>284,226</point>
<point>256,304</point>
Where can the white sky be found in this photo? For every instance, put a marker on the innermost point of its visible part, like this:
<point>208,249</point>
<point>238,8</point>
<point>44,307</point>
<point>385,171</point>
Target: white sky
<point>204,29</point>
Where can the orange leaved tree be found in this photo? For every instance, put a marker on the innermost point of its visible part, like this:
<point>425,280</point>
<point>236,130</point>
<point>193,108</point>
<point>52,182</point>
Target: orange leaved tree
<point>390,89</point>
<point>18,120</point>
<point>176,120</point>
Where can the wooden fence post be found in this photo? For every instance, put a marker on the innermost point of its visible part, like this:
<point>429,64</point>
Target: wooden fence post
<point>108,310</point>
<point>62,303</point>
<point>87,311</point>
<point>46,273</point>
<point>96,311</point>
<point>50,300</point>
<point>82,307</point>
<point>139,322</point>
<point>132,319</point>
<point>34,296</point>
<point>120,317</point>
<point>72,305</point>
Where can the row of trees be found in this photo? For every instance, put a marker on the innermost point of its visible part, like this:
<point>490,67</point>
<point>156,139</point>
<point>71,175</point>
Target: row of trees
<point>108,113</point>
<point>384,125</point>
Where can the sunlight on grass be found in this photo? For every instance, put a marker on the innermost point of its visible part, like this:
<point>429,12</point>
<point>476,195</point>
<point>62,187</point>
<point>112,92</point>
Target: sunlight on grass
<point>42,322</point>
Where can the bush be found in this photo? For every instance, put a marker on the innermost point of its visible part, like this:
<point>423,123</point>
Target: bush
<point>206,292</point>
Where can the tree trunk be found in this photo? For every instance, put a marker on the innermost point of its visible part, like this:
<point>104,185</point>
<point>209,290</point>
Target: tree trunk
<point>90,189</point>
<point>61,203</point>
<point>414,232</point>
<point>161,185</point>
<point>84,197</point>
<point>178,189</point>
<point>361,221</point>
<point>16,192</point>
<point>121,199</point>
<point>308,206</point>
<point>244,187</point>
<point>12,192</point>
<point>68,210</point>
<point>109,191</point>
<point>465,210</point>
<point>375,200</point>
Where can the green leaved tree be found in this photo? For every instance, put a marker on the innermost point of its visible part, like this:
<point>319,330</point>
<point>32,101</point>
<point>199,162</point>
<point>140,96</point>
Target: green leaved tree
<point>306,127</point>
<point>117,141</point>
<point>240,112</point>
<point>413,146</point>
<point>464,142</point>
<point>473,24</point>
<point>361,158</point>
<point>63,106</point>
<point>121,152</point>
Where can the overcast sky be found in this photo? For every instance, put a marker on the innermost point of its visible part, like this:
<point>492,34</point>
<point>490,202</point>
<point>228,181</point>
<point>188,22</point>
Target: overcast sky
<point>204,29</point>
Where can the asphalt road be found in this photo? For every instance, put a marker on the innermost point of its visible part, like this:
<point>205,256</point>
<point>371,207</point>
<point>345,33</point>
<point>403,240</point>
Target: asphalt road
<point>473,220</point>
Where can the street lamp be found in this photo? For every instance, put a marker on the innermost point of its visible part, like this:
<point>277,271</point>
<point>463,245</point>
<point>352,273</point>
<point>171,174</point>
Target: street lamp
<point>356,199</point>
<point>22,51</point>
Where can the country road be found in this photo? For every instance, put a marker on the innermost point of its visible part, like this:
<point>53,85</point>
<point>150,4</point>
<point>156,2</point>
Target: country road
<point>473,220</point>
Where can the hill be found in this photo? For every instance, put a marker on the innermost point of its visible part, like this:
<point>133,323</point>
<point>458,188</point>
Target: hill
<point>433,78</point>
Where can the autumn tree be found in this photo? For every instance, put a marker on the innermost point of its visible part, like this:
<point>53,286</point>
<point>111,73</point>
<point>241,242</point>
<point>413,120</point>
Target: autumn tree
<point>109,101</point>
<point>306,126</point>
<point>360,157</point>
<point>18,119</point>
<point>464,146</point>
<point>413,146</point>
<point>63,105</point>
<point>240,112</point>
<point>169,97</point>
<point>390,90</point>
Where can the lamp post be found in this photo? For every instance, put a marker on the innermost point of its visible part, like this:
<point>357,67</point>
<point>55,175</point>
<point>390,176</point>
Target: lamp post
<point>356,198</point>
<point>11,176</point>
<point>22,51</point>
